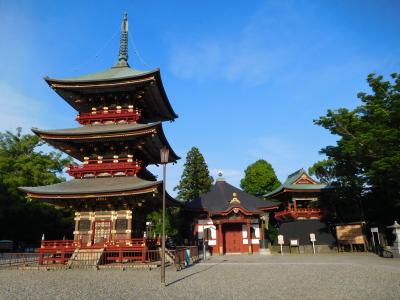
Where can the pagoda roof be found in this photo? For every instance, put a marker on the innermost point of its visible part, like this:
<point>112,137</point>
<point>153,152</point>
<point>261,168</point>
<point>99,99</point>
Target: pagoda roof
<point>222,197</point>
<point>92,186</point>
<point>298,181</point>
<point>96,130</point>
<point>152,134</point>
<point>97,187</point>
<point>125,80</point>
<point>110,74</point>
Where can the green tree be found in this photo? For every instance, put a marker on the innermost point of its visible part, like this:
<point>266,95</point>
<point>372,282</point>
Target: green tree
<point>324,170</point>
<point>23,164</point>
<point>195,179</point>
<point>367,154</point>
<point>155,217</point>
<point>259,178</point>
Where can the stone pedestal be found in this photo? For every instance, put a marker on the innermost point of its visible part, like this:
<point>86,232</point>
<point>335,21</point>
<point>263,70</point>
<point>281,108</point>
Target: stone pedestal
<point>396,244</point>
<point>264,251</point>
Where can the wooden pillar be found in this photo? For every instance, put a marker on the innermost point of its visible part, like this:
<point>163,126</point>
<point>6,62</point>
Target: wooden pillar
<point>196,230</point>
<point>249,237</point>
<point>220,241</point>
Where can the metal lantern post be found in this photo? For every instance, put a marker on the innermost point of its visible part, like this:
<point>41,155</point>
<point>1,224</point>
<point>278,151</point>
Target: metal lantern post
<point>164,153</point>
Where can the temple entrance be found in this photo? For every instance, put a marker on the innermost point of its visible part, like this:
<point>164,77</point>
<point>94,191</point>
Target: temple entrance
<point>101,232</point>
<point>233,239</point>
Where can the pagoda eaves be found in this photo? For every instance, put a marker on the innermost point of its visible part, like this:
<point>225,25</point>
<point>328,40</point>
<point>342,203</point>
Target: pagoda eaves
<point>144,89</point>
<point>78,141</point>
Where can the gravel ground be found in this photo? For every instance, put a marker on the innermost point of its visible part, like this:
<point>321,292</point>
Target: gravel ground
<point>228,277</point>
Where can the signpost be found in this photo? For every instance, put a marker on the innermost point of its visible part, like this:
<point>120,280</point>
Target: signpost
<point>313,240</point>
<point>374,244</point>
<point>281,242</point>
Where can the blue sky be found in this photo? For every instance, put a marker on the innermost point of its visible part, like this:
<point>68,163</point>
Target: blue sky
<point>247,78</point>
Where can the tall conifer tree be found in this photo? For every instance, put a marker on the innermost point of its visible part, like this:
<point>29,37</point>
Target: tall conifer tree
<point>195,179</point>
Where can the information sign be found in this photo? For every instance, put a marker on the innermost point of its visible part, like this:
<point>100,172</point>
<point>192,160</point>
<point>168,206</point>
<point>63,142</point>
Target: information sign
<point>312,237</point>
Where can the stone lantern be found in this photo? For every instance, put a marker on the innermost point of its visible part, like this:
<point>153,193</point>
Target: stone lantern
<point>396,244</point>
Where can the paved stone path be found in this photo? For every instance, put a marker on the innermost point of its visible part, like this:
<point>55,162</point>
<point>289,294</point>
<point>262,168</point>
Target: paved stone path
<point>345,276</point>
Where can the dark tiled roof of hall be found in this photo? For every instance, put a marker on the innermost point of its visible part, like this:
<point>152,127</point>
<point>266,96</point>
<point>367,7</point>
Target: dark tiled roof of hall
<point>220,195</point>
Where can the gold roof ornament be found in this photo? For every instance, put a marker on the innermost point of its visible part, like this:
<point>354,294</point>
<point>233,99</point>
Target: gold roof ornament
<point>234,200</point>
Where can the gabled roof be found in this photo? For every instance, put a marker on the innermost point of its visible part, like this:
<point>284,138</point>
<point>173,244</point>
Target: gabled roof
<point>151,134</point>
<point>300,181</point>
<point>223,196</point>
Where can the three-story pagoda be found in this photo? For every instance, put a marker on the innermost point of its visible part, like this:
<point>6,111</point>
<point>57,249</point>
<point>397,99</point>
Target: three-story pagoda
<point>121,111</point>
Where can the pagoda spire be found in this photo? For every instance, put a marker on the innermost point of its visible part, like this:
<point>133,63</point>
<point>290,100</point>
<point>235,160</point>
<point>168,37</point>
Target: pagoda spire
<point>123,45</point>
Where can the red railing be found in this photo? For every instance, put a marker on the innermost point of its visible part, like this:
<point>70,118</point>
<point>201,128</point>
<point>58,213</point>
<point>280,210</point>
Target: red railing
<point>60,244</point>
<point>109,165</point>
<point>128,115</point>
<point>296,213</point>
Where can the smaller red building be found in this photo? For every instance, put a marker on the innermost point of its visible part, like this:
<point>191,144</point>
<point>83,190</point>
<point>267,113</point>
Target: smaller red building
<point>229,219</point>
<point>301,213</point>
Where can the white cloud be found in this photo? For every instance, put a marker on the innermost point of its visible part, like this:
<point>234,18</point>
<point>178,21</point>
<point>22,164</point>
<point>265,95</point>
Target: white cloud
<point>245,60</point>
<point>262,48</point>
<point>19,110</point>
<point>284,156</point>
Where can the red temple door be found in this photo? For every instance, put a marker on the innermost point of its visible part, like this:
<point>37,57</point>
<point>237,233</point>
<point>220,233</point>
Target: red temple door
<point>101,232</point>
<point>233,239</point>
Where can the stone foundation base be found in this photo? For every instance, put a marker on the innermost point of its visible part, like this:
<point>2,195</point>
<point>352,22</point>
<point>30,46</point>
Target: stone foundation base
<point>265,251</point>
<point>305,249</point>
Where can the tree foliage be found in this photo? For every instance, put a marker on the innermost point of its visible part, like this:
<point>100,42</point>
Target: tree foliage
<point>259,179</point>
<point>195,179</point>
<point>324,170</point>
<point>22,164</point>
<point>155,217</point>
<point>366,158</point>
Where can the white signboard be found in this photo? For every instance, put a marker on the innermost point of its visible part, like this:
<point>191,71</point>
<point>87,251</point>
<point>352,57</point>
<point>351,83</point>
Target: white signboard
<point>374,229</point>
<point>294,242</point>
<point>312,237</point>
<point>280,239</point>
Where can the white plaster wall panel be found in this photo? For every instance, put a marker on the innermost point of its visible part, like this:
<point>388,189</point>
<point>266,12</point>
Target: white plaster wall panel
<point>213,231</point>
<point>255,241</point>
<point>256,231</point>
<point>244,231</point>
<point>205,222</point>
<point>245,241</point>
<point>200,232</point>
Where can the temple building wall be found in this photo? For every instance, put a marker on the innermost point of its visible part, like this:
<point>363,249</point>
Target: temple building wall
<point>215,241</point>
<point>93,227</point>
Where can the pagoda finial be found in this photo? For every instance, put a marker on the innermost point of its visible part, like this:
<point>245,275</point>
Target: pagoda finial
<point>123,46</point>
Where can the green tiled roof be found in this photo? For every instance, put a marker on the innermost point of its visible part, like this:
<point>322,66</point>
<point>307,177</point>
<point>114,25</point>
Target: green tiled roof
<point>291,179</point>
<point>93,185</point>
<point>114,73</point>
<point>97,129</point>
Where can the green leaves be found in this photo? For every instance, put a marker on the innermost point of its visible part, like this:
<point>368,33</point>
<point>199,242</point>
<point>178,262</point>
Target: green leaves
<point>23,164</point>
<point>195,179</point>
<point>259,178</point>
<point>366,158</point>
